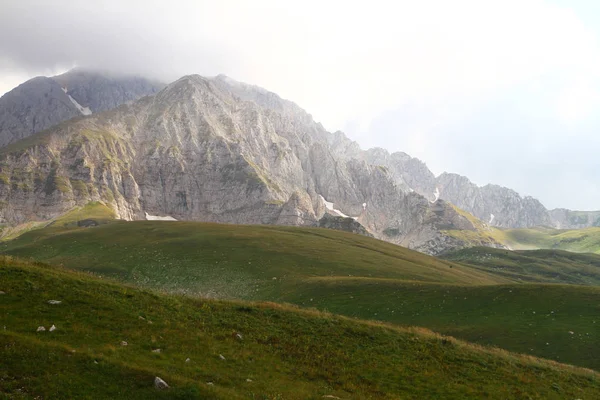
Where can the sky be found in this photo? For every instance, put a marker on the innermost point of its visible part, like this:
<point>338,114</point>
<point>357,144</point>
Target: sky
<point>502,91</point>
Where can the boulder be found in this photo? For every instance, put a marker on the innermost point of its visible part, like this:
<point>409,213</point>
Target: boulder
<point>160,384</point>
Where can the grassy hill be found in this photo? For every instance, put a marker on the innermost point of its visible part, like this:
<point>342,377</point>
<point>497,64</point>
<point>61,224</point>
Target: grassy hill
<point>343,273</point>
<point>577,240</point>
<point>235,261</point>
<point>549,266</point>
<point>558,322</point>
<point>280,353</point>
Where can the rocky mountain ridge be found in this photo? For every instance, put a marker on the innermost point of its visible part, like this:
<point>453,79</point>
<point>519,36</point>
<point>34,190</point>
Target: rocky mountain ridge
<point>213,149</point>
<point>496,205</point>
<point>43,102</point>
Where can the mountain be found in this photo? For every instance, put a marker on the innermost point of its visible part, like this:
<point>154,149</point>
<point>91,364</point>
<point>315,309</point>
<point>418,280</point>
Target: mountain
<point>43,102</point>
<point>499,206</point>
<point>214,149</point>
<point>568,219</point>
<point>495,205</point>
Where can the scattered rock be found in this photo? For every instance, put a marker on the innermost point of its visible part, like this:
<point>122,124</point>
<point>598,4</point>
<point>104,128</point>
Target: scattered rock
<point>210,384</point>
<point>221,357</point>
<point>1,292</point>
<point>149,322</point>
<point>41,329</point>
<point>239,336</point>
<point>95,362</point>
<point>124,343</point>
<point>160,384</point>
<point>187,360</point>
<point>571,332</point>
<point>249,380</point>
<point>52,328</point>
<point>54,301</point>
<point>156,351</point>
<point>142,318</point>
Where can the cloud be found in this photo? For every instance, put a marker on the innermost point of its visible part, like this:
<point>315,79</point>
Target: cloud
<point>417,76</point>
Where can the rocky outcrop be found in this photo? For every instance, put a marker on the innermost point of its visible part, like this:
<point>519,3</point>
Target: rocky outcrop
<point>209,150</point>
<point>496,205</point>
<point>42,102</point>
<point>567,219</point>
<point>343,224</point>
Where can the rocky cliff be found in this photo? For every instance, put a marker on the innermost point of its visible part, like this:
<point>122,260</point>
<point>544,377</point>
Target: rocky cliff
<point>496,205</point>
<point>42,102</point>
<point>214,150</point>
<point>567,219</point>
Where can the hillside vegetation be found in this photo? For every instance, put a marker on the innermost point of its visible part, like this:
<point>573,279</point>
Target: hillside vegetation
<point>330,270</point>
<point>207,349</point>
<point>550,266</point>
<point>577,240</point>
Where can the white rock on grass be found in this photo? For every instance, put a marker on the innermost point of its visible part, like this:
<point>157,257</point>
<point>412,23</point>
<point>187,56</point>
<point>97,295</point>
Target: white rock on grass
<point>124,343</point>
<point>156,351</point>
<point>160,384</point>
<point>52,328</point>
<point>221,357</point>
<point>239,336</point>
<point>54,301</point>
<point>187,360</point>
<point>41,329</point>
<point>1,292</point>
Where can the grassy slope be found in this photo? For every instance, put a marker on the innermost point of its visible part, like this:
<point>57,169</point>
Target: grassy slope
<point>343,273</point>
<point>576,240</point>
<point>549,266</point>
<point>250,262</point>
<point>532,319</point>
<point>287,353</point>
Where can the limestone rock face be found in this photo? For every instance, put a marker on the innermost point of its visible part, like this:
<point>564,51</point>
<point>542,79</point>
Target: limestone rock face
<point>496,205</point>
<point>567,219</point>
<point>32,107</point>
<point>42,102</point>
<point>210,149</point>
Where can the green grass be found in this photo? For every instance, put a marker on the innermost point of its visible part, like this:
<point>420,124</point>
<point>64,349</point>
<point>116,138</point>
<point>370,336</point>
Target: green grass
<point>577,240</point>
<point>343,273</point>
<point>96,210</point>
<point>287,353</point>
<point>521,318</point>
<point>548,266</point>
<point>231,261</point>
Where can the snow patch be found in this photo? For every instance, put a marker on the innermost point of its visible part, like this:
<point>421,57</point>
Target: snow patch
<point>491,219</point>
<point>82,110</point>
<point>330,207</point>
<point>436,194</point>
<point>157,218</point>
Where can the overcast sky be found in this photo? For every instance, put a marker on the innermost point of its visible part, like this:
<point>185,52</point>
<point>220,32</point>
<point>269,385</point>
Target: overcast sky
<point>505,91</point>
